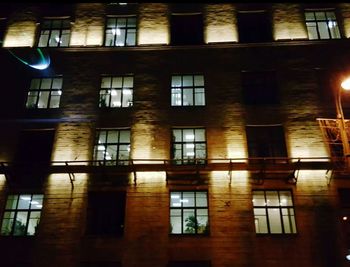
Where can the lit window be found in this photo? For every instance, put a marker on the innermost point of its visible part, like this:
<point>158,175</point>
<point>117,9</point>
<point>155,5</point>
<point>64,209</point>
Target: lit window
<point>121,31</point>
<point>322,25</point>
<point>274,212</point>
<point>54,33</point>
<point>189,146</point>
<point>116,92</point>
<point>22,214</point>
<point>187,90</point>
<point>112,147</point>
<point>44,93</point>
<point>105,214</point>
<point>189,212</point>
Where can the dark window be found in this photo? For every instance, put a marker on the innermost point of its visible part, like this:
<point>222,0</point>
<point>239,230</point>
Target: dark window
<point>189,212</point>
<point>22,214</point>
<point>266,142</point>
<point>274,212</point>
<point>54,33</point>
<point>189,146</point>
<point>254,27</point>
<point>189,264</point>
<point>120,31</point>
<point>35,146</point>
<point>322,24</point>
<point>105,215</point>
<point>186,29</point>
<point>344,197</point>
<point>260,88</point>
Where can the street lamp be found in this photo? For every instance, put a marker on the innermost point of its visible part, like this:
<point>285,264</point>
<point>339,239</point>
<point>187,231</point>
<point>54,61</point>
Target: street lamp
<point>341,121</point>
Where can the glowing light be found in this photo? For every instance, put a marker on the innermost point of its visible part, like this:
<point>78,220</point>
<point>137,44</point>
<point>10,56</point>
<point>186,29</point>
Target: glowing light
<point>346,84</point>
<point>101,148</point>
<point>43,62</point>
<point>189,137</point>
<point>345,218</point>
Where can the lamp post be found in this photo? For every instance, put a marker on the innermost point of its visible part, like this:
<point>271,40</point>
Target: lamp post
<point>341,121</point>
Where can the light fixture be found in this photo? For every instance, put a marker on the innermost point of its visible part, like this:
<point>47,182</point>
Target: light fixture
<point>348,255</point>
<point>346,84</point>
<point>345,218</point>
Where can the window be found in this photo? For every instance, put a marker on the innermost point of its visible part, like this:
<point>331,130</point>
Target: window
<point>106,213</point>
<point>322,25</point>
<point>187,90</point>
<point>44,93</point>
<point>189,146</point>
<point>259,88</point>
<point>274,212</point>
<point>116,91</point>
<point>189,212</point>
<point>112,147</point>
<point>54,33</point>
<point>254,26</point>
<point>266,142</point>
<point>121,31</point>
<point>22,214</point>
<point>186,29</point>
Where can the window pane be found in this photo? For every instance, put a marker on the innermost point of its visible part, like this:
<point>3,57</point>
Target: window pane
<point>24,201</point>
<point>44,38</point>
<point>125,136</point>
<point>200,135</point>
<point>35,84</point>
<point>199,97</point>
<point>116,98</point>
<point>177,135</point>
<point>188,135</point>
<point>7,223</point>
<point>128,82</point>
<point>275,221</point>
<point>189,221</point>
<point>33,222</point>
<point>175,199</point>
<point>259,198</point>
<point>312,31</point>
<point>333,26</point>
<point>112,137</point>
<point>46,83</point>
<point>288,221</point>
<point>175,221</point>
<point>37,202</point>
<point>320,15</point>
<point>286,198</point>
<point>188,97</point>
<point>323,30</point>
<point>121,22</point>
<point>260,221</point>
<point>202,218</point>
<point>201,199</point>
<point>272,198</point>
<point>127,98</point>
<point>131,38</point>
<point>309,16</point>
<point>57,83</point>
<point>11,202</point>
<point>187,80</point>
<point>199,80</point>
<point>106,82</point>
<point>188,199</point>
<point>176,97</point>
<point>117,82</point>
<point>109,39</point>
<point>20,223</point>
<point>55,101</point>
<point>176,81</point>
<point>43,99</point>
<point>132,22</point>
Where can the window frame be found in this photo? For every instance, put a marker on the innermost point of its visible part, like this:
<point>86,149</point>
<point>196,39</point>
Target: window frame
<point>326,21</point>
<point>195,88</point>
<point>106,28</point>
<point>60,29</point>
<point>280,208</point>
<point>39,90</point>
<point>189,160</point>
<point>17,210</point>
<point>121,90</point>
<point>115,161</point>
<point>195,208</point>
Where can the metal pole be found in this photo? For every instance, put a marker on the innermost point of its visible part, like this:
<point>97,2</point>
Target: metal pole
<point>342,128</point>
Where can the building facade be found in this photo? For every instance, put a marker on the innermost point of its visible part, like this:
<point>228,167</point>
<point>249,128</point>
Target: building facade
<point>161,134</point>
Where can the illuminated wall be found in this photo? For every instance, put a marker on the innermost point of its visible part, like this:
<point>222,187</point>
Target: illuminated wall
<point>88,26</point>
<point>288,22</point>
<point>153,24</point>
<point>220,23</point>
<point>20,33</point>
<point>345,11</point>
